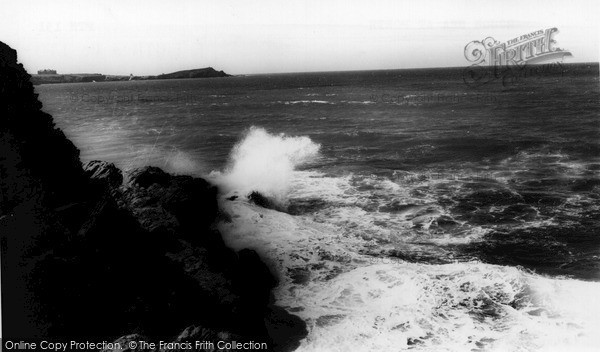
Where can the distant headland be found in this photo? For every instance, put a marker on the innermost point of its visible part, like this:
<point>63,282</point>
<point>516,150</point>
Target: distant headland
<point>48,76</point>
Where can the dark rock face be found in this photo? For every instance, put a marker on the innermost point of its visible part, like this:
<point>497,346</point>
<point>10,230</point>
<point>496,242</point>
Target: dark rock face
<point>148,176</point>
<point>159,199</point>
<point>188,339</point>
<point>31,140</point>
<point>85,253</point>
<point>104,172</point>
<point>260,200</point>
<point>40,177</point>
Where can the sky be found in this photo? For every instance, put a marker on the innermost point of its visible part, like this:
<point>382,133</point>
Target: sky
<point>247,37</point>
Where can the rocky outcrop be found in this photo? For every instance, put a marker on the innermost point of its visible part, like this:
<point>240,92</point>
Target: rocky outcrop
<point>193,338</point>
<point>260,200</point>
<point>41,180</point>
<point>104,173</point>
<point>196,73</point>
<point>88,250</point>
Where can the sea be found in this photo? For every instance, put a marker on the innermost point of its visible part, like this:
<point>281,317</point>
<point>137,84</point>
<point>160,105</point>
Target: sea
<point>424,209</point>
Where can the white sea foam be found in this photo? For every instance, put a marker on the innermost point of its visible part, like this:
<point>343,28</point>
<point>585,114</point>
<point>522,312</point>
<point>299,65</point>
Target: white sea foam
<point>293,102</point>
<point>358,205</point>
<point>354,302</point>
<point>454,307</point>
<point>333,275</point>
<point>358,102</point>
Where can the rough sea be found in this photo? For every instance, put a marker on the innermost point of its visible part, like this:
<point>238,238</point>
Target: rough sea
<point>413,211</point>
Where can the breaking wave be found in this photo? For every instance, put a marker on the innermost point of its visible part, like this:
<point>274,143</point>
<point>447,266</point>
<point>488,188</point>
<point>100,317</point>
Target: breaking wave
<point>265,162</point>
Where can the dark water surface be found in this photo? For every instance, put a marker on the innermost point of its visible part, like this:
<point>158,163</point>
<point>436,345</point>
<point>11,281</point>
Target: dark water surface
<point>506,174</point>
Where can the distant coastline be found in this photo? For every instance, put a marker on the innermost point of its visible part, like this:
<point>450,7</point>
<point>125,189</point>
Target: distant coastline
<point>207,72</point>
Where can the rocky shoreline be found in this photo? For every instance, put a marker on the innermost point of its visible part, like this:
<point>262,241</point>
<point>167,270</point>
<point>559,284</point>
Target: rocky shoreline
<point>207,72</point>
<point>88,251</point>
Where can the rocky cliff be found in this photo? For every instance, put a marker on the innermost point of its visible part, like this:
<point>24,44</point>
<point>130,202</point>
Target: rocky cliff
<point>90,251</point>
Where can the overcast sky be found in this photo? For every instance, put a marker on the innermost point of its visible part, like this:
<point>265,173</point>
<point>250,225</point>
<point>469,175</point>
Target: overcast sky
<point>243,37</point>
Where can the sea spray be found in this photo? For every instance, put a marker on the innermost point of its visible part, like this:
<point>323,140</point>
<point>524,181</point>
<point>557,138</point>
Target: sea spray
<point>264,163</point>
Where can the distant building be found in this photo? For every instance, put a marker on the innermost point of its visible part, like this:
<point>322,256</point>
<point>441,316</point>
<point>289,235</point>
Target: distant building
<point>46,72</point>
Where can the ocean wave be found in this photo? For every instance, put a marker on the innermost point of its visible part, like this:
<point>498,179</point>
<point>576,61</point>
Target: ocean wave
<point>364,102</point>
<point>293,102</point>
<point>264,163</point>
<point>393,260</point>
<point>378,207</point>
<point>354,301</point>
<point>303,102</point>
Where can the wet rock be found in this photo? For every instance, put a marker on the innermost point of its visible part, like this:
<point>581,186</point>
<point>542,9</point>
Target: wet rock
<point>104,172</point>
<point>260,200</point>
<point>285,329</point>
<point>198,338</point>
<point>125,344</point>
<point>171,204</point>
<point>147,176</point>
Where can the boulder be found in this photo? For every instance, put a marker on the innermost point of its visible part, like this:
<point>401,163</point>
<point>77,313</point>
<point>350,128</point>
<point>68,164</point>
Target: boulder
<point>147,176</point>
<point>260,200</point>
<point>104,172</point>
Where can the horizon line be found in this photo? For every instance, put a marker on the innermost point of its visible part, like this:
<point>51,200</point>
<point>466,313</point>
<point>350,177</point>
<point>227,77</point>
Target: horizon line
<point>405,68</point>
<point>308,72</point>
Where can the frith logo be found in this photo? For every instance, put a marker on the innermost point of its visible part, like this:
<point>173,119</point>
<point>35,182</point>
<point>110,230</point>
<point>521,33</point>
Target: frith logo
<point>492,60</point>
<point>535,47</point>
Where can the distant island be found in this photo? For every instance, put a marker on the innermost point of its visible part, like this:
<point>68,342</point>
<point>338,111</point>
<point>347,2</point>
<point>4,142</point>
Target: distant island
<point>51,76</point>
